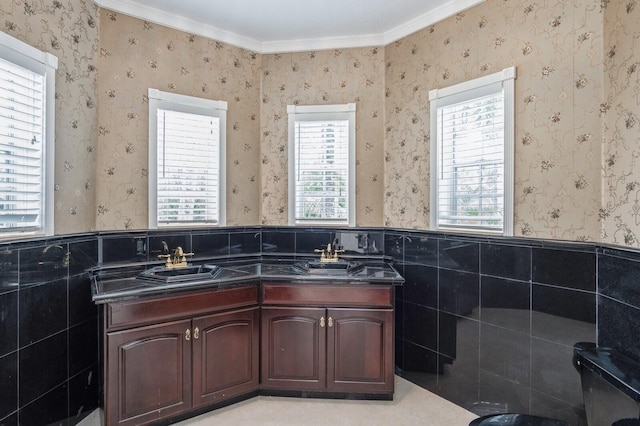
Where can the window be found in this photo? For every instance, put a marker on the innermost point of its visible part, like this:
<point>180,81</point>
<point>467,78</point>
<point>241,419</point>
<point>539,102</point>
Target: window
<point>322,164</point>
<point>472,155</point>
<point>27,117</point>
<point>186,160</point>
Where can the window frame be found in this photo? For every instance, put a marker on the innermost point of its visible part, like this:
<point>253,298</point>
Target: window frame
<point>461,92</point>
<point>189,104</point>
<point>45,64</point>
<point>319,113</point>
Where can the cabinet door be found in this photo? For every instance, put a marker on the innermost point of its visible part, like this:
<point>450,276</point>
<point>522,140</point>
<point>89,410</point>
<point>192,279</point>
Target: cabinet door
<point>360,350</point>
<point>225,355</point>
<point>293,348</point>
<point>149,373</point>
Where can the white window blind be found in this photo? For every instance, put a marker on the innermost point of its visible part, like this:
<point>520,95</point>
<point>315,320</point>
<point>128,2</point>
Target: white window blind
<point>322,163</point>
<point>26,137</point>
<point>188,151</point>
<point>472,160</point>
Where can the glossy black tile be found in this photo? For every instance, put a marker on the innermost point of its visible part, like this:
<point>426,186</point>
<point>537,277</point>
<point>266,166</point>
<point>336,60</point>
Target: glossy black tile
<point>563,316</point>
<point>11,420</point>
<point>360,241</point>
<point>499,395</point>
<point>8,322</point>
<point>552,372</point>
<point>619,278</point>
<point>36,380</point>
<point>308,240</point>
<point>210,245</point>
<point>82,256</point>
<point>459,255</point>
<point>505,353</point>
<point>421,249</point>
<point>394,246</point>
<point>128,249</point>
<point>244,243</point>
<point>505,303</point>
<point>619,326</point>
<point>8,385</point>
<point>81,308</point>
<point>276,241</point>
<point>8,269</point>
<point>459,341</point>
<point>51,409</point>
<point>43,311</point>
<point>421,326</point>
<point>83,346</point>
<point>459,292</point>
<point>84,394</point>
<point>420,359</point>
<point>545,406</point>
<point>456,383</point>
<point>564,268</point>
<point>399,290</point>
<point>172,241</point>
<point>43,264</point>
<point>506,261</point>
<point>564,303</point>
<point>421,285</point>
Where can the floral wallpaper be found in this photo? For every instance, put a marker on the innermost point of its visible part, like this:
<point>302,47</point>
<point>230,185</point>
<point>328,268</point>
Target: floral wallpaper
<point>135,55</point>
<point>576,111</point>
<point>620,213</point>
<point>556,47</point>
<point>69,30</point>
<point>317,78</point>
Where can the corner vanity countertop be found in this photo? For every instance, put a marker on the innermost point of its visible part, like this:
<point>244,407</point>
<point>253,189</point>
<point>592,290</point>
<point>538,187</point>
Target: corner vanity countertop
<point>112,284</point>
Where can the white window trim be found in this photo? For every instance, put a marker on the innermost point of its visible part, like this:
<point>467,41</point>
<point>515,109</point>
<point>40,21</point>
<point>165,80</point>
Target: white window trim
<point>319,112</point>
<point>454,94</point>
<point>29,57</point>
<point>185,103</point>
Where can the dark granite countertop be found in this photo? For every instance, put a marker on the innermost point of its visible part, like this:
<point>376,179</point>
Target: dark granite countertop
<point>112,284</point>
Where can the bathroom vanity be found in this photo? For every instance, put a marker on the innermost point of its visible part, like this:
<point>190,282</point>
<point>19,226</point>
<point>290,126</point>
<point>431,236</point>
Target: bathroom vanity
<point>174,348</point>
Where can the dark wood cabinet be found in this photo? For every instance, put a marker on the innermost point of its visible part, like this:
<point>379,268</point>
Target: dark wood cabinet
<point>157,371</point>
<point>225,355</point>
<point>331,348</point>
<point>153,374</point>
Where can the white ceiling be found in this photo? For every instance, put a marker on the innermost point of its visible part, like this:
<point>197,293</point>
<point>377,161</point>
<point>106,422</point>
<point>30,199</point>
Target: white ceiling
<point>269,26</point>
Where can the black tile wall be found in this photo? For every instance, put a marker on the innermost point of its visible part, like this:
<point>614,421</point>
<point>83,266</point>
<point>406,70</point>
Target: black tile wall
<point>45,299</point>
<point>507,315</point>
<point>506,261</point>
<point>619,326</point>
<point>276,241</point>
<point>8,322</point>
<point>486,323</point>
<point>565,268</point>
<point>210,245</point>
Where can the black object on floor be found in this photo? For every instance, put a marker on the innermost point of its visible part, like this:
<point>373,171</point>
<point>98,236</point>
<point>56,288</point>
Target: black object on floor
<point>512,419</point>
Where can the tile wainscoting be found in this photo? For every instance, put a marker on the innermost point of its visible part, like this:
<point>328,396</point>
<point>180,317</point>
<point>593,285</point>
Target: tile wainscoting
<point>487,323</point>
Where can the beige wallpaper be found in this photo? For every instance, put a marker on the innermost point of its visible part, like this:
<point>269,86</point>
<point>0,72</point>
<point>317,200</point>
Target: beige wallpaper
<point>136,55</point>
<point>620,213</point>
<point>556,47</point>
<point>576,111</point>
<point>68,30</point>
<point>324,77</point>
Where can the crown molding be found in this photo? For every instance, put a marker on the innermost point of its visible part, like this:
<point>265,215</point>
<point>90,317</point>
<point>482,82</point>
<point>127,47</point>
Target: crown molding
<point>160,17</point>
<point>427,19</point>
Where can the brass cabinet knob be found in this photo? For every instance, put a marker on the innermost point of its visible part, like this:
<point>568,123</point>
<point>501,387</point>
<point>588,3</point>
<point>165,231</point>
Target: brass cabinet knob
<point>196,333</point>
<point>330,322</point>
<point>321,322</point>
<point>187,334</point>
